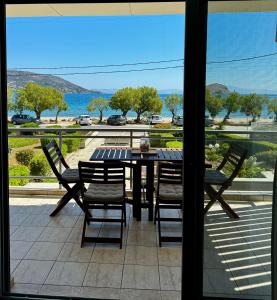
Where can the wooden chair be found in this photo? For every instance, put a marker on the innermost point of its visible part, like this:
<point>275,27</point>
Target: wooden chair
<point>106,190</point>
<point>169,195</point>
<point>234,158</point>
<point>68,176</point>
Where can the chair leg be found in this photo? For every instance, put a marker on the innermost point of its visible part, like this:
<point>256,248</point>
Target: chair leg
<point>121,225</point>
<point>124,210</point>
<point>155,215</point>
<point>84,226</point>
<point>159,225</point>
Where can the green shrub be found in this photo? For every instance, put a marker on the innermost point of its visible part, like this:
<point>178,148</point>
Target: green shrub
<point>163,126</point>
<point>21,142</point>
<point>249,169</point>
<point>160,143</point>
<point>73,144</point>
<point>73,126</point>
<point>53,126</point>
<point>39,166</point>
<point>29,125</point>
<point>18,170</point>
<point>267,158</point>
<point>24,157</point>
<point>174,144</point>
<point>46,141</point>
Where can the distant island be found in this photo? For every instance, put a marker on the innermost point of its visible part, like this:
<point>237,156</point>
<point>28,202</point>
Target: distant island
<point>18,79</point>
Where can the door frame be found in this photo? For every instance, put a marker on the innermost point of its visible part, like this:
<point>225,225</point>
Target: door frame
<point>193,130</point>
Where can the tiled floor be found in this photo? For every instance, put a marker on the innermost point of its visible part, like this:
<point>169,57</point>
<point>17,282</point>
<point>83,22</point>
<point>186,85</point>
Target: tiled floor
<point>46,257</point>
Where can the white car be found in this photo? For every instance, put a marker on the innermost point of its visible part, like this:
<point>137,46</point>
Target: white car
<point>178,121</point>
<point>84,120</point>
<point>155,119</point>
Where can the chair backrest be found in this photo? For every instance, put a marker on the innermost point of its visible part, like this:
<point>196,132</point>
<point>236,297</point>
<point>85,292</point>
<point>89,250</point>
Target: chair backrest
<point>54,156</point>
<point>102,173</point>
<point>169,173</point>
<point>234,157</point>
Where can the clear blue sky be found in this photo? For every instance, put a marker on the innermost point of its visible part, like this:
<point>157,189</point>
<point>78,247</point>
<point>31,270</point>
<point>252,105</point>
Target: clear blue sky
<point>77,41</point>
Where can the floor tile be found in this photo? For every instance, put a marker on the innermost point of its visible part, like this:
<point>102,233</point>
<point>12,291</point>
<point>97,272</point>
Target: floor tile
<point>139,238</point>
<point>13,264</point>
<point>18,249</point>
<point>17,219</point>
<point>103,275</point>
<point>63,221</point>
<point>170,256</point>
<point>74,252</point>
<point>170,278</point>
<point>44,251</point>
<point>220,281</point>
<point>36,220</point>
<point>100,293</point>
<point>141,255</point>
<point>253,281</point>
<point>108,254</point>
<point>28,234</point>
<point>23,288</point>
<point>57,290</point>
<point>171,295</point>
<point>53,234</point>
<point>67,273</point>
<point>140,277</point>
<point>13,229</point>
<point>134,294</point>
<point>32,271</point>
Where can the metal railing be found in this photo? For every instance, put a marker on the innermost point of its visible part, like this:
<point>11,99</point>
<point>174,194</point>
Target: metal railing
<point>131,135</point>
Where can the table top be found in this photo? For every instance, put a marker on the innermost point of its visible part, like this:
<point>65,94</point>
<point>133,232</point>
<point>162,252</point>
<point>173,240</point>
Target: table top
<point>125,154</point>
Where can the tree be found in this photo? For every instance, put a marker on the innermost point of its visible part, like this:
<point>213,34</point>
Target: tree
<point>123,100</point>
<point>252,105</point>
<point>60,105</point>
<point>100,104</point>
<point>213,104</point>
<point>231,104</point>
<point>147,100</point>
<point>172,102</point>
<point>37,98</point>
<point>10,93</point>
<point>272,107</point>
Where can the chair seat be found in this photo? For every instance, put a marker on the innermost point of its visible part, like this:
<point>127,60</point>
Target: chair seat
<point>71,175</point>
<point>169,191</point>
<point>214,177</point>
<point>104,193</point>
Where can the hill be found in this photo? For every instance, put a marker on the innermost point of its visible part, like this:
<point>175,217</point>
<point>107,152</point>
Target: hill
<point>215,88</point>
<point>18,79</point>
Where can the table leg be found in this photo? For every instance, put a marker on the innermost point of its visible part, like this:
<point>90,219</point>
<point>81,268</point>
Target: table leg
<point>150,188</point>
<point>137,191</point>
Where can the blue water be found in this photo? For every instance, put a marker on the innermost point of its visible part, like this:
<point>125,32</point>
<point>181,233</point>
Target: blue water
<point>77,105</point>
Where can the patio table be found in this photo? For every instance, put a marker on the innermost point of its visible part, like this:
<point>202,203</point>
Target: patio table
<point>146,159</point>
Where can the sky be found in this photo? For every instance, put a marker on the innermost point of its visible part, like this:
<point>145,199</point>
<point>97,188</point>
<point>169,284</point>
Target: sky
<point>82,41</point>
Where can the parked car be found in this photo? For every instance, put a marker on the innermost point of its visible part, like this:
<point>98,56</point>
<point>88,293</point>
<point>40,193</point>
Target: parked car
<point>84,120</point>
<point>178,121</point>
<point>116,120</point>
<point>155,119</point>
<point>22,119</point>
<point>208,121</point>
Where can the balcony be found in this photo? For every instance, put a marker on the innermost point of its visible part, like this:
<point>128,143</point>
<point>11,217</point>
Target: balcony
<point>46,257</point>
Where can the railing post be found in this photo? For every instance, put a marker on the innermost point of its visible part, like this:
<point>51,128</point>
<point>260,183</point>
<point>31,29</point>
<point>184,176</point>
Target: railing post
<point>60,146</point>
<point>131,145</point>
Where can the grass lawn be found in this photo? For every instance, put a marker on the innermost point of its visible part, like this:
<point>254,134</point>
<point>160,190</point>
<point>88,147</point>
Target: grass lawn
<point>20,142</point>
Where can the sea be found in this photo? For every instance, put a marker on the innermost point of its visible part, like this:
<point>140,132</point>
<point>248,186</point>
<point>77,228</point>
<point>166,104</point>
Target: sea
<point>77,105</point>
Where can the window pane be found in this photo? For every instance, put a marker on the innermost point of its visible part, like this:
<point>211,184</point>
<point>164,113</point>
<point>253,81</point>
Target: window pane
<point>240,106</point>
<point>117,75</point>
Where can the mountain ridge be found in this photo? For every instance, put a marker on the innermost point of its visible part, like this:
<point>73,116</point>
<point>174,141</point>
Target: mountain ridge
<point>18,79</point>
